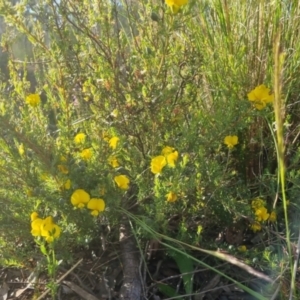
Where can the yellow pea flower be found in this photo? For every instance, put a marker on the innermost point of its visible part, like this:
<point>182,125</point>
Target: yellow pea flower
<point>34,216</point>
<point>33,100</point>
<point>171,197</point>
<point>256,227</point>
<point>49,230</point>
<point>157,164</point>
<point>79,138</point>
<point>86,154</point>
<point>231,141</point>
<point>21,149</point>
<point>260,96</point>
<point>262,214</point>
<point>80,198</point>
<point>176,4</point>
<point>36,226</point>
<point>122,182</point>
<point>96,205</point>
<point>167,150</point>
<point>53,233</point>
<point>172,158</point>
<point>113,142</point>
<point>257,203</point>
<point>273,216</point>
<point>113,161</point>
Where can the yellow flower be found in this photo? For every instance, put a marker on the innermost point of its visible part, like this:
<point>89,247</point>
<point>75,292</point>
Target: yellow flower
<point>172,158</point>
<point>273,216</point>
<point>113,161</point>
<point>36,226</point>
<point>86,154</point>
<point>176,4</point>
<point>33,100</point>
<point>262,214</point>
<point>79,198</point>
<point>79,138</point>
<point>171,197</point>
<point>170,155</point>
<point>122,182</point>
<point>34,216</point>
<point>231,141</point>
<point>113,142</point>
<point>67,184</point>
<point>157,164</point>
<point>257,203</point>
<point>53,233</point>
<point>63,169</point>
<point>256,227</point>
<point>260,96</point>
<point>96,205</point>
<point>167,150</point>
<point>49,230</point>
<point>21,149</point>
<point>242,248</point>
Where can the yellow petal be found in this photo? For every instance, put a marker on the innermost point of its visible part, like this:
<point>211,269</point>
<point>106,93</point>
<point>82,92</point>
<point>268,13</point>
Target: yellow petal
<point>167,150</point>
<point>113,142</point>
<point>157,164</point>
<point>34,216</point>
<point>172,158</point>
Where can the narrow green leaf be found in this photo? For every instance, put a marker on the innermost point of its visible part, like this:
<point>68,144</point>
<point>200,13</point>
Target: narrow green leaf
<point>168,291</point>
<point>185,265</point>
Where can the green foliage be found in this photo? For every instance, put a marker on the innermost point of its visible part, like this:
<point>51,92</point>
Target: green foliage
<point>152,78</point>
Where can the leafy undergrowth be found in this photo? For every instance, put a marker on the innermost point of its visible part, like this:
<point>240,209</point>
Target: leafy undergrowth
<point>178,118</point>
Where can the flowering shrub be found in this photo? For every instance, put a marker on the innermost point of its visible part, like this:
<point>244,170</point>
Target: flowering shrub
<point>139,104</point>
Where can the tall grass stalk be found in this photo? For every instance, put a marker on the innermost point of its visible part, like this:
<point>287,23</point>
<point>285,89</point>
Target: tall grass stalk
<point>278,111</point>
